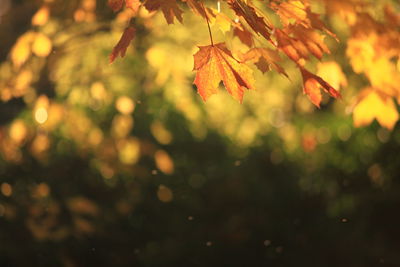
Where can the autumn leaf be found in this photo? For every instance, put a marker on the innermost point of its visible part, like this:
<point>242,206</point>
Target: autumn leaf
<point>294,49</point>
<point>315,22</point>
<point>197,8</point>
<point>122,45</point>
<point>312,40</point>
<point>299,13</point>
<point>243,34</point>
<point>115,5</point>
<point>264,59</point>
<point>214,63</point>
<point>170,9</point>
<point>374,105</point>
<point>224,22</point>
<point>331,72</point>
<point>249,14</point>
<point>312,85</point>
<point>289,11</point>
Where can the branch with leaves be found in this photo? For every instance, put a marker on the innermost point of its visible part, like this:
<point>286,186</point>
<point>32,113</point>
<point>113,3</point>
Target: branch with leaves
<point>300,37</point>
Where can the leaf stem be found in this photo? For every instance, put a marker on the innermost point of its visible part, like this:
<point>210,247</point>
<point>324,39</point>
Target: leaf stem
<point>208,24</point>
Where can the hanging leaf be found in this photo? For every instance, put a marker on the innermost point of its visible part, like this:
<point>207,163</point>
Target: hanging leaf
<point>169,8</point>
<point>244,35</point>
<point>122,45</point>
<point>373,105</point>
<point>264,59</point>
<point>249,14</point>
<point>312,85</point>
<point>214,63</point>
<point>196,7</point>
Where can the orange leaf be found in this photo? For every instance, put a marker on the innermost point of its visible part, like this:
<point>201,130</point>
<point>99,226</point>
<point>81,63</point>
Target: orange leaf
<point>115,5</point>
<point>312,84</point>
<point>170,9</point>
<point>299,13</point>
<point>243,34</point>
<point>295,50</point>
<point>264,58</point>
<point>214,63</point>
<point>122,45</point>
<point>312,40</point>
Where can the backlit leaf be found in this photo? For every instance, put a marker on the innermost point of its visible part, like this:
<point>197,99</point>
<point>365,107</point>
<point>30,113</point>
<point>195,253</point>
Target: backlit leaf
<point>374,105</point>
<point>214,63</point>
<point>312,85</point>
<point>262,56</point>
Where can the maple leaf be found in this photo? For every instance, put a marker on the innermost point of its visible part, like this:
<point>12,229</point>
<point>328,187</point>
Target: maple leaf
<point>316,23</point>
<point>374,105</point>
<point>214,63</point>
<point>313,41</point>
<point>115,5</point>
<point>243,34</point>
<point>303,43</point>
<point>331,72</point>
<point>197,8</point>
<point>312,87</point>
<point>224,22</point>
<point>264,58</point>
<point>248,13</point>
<point>293,48</point>
<point>123,43</point>
<point>299,12</point>
<point>169,8</point>
<point>289,11</point>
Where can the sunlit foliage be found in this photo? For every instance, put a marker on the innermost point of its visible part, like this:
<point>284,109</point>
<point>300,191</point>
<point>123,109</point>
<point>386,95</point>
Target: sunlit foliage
<point>120,134</point>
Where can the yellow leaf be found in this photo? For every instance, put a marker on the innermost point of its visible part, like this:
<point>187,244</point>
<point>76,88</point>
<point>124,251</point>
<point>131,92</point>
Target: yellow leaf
<point>331,72</point>
<point>383,75</point>
<point>361,52</point>
<point>375,106</point>
<point>224,23</point>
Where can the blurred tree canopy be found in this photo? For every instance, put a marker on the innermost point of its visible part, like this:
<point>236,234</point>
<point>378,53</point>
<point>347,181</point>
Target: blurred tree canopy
<point>124,164</point>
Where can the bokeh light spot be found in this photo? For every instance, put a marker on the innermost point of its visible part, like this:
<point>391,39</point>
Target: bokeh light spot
<point>164,194</point>
<point>6,189</point>
<point>41,115</point>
